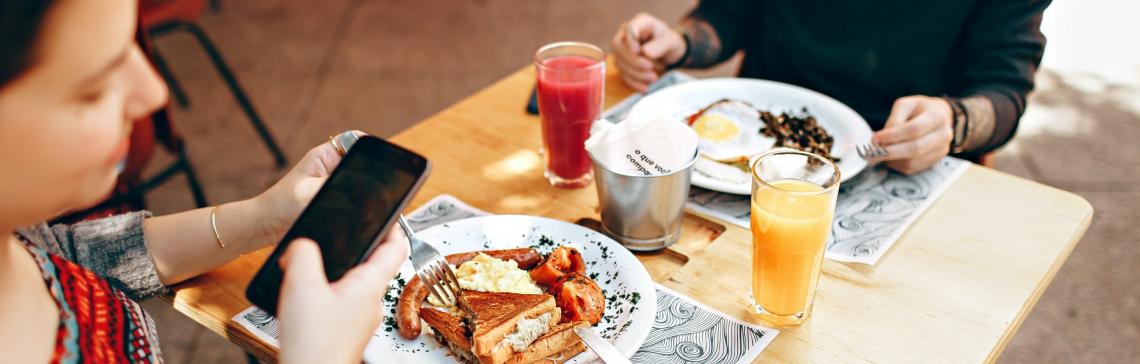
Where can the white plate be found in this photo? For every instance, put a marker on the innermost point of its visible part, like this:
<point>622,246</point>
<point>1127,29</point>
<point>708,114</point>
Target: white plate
<point>616,270</point>
<point>843,123</point>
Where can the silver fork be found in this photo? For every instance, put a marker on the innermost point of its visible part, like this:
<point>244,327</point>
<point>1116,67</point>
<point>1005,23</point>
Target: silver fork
<point>870,150</point>
<point>432,269</point>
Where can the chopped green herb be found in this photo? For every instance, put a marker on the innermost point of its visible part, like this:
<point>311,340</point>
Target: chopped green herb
<point>389,323</point>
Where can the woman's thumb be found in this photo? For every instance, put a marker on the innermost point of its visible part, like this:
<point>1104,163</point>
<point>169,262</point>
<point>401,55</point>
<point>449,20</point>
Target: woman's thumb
<point>302,264</point>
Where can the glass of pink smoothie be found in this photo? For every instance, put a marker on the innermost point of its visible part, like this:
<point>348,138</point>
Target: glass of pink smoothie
<point>571,84</point>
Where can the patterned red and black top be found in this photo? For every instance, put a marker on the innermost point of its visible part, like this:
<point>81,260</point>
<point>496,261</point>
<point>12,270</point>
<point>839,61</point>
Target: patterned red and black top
<point>97,323</point>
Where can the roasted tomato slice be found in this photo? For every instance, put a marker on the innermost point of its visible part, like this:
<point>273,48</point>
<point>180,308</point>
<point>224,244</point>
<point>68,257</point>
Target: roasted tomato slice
<point>580,298</point>
<point>561,261</point>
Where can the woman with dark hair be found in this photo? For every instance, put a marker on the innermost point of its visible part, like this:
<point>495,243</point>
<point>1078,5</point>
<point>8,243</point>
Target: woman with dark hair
<point>72,82</point>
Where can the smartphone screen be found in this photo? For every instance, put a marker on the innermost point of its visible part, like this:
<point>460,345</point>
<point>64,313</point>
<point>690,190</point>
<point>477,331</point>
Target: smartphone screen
<point>348,215</point>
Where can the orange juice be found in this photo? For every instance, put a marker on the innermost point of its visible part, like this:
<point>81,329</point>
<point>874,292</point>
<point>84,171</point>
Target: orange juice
<point>791,220</point>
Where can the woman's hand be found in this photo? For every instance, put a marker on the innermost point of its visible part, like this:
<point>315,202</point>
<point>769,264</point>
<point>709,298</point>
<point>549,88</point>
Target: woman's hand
<point>917,134</point>
<point>324,322</point>
<point>642,48</point>
<point>282,203</point>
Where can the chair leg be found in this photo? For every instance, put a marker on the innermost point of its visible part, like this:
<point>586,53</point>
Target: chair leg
<point>236,89</point>
<point>192,179</point>
<point>176,90</point>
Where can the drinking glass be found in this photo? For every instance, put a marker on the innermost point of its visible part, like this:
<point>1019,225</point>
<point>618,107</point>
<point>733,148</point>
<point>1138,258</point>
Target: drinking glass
<point>571,81</point>
<point>793,201</point>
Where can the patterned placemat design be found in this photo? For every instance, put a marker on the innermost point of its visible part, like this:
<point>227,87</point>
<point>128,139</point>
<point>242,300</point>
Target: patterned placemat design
<point>686,331</point>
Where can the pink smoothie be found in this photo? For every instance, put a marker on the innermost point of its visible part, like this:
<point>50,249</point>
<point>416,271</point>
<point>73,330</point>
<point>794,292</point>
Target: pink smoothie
<point>569,99</point>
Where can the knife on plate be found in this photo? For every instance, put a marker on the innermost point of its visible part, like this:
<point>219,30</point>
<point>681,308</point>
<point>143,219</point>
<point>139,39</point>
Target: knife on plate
<point>606,351</point>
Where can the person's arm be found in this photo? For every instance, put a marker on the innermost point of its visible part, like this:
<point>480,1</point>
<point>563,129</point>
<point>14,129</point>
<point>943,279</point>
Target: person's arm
<point>141,255</point>
<point>716,30</point>
<point>183,245</point>
<point>997,57</point>
<point>646,46</point>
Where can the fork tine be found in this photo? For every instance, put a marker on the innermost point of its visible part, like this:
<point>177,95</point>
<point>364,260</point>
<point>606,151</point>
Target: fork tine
<point>437,280</point>
<point>870,150</point>
<point>449,281</point>
<point>431,269</point>
<point>432,284</point>
<point>427,281</point>
<point>452,279</point>
<point>443,284</point>
<point>452,283</point>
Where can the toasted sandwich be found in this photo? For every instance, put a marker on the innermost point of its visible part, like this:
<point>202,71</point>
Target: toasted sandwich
<point>499,328</point>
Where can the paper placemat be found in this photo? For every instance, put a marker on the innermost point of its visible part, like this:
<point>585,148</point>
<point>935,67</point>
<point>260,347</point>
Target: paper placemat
<point>872,211</point>
<point>687,331</point>
<point>684,330</point>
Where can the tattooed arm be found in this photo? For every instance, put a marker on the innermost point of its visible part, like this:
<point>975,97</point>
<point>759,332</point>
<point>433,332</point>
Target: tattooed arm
<point>716,30</point>
<point>645,46</point>
<point>992,67</point>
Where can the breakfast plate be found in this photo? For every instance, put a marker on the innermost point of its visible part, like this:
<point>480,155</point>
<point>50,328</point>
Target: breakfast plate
<point>843,124</point>
<point>629,291</point>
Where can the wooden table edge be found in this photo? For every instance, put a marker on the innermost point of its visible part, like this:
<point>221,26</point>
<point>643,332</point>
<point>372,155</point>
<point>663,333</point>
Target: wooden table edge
<point>226,328</point>
<point>1054,268</point>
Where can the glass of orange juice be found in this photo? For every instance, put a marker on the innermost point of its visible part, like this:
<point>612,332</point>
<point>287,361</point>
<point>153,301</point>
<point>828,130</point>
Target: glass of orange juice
<point>793,200</point>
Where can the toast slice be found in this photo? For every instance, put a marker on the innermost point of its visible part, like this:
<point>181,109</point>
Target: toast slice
<point>450,329</point>
<point>557,346</point>
<point>566,354</point>
<point>508,322</point>
<point>500,326</point>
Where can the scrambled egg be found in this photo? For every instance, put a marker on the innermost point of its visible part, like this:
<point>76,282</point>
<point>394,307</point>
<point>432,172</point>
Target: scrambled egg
<point>488,274</point>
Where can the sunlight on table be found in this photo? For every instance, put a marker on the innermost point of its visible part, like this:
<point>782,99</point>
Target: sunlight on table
<point>521,162</point>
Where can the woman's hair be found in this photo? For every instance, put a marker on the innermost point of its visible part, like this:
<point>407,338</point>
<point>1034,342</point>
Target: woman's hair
<point>20,22</point>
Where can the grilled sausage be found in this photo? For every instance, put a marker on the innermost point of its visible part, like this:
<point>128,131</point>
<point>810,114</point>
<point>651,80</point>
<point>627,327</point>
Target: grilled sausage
<point>414,293</point>
<point>408,308</point>
<point>527,258</point>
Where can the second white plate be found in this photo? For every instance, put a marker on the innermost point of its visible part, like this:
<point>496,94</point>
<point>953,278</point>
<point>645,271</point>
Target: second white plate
<point>844,124</point>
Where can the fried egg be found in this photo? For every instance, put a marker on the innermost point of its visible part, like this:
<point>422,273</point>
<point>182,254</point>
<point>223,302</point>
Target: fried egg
<point>729,131</point>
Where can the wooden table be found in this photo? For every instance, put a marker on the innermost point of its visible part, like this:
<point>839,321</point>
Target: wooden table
<point>954,289</point>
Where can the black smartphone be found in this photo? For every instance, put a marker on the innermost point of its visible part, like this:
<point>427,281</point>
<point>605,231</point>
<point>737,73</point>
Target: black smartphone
<point>532,103</point>
<point>348,215</point>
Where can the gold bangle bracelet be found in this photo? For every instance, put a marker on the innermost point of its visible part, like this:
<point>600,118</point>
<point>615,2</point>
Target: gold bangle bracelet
<point>214,224</point>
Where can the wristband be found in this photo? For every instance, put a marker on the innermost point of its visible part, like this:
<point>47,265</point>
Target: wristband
<point>685,56</point>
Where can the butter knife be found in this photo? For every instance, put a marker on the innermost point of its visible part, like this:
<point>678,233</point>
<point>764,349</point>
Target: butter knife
<point>606,351</point>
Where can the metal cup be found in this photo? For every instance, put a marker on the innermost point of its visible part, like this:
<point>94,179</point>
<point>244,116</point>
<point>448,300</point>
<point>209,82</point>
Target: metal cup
<point>644,213</point>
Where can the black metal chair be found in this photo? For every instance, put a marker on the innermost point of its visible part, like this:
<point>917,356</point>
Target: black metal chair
<point>164,17</point>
